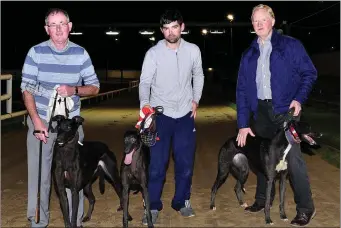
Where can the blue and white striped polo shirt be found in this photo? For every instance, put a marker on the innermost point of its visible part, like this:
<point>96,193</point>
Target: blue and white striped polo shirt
<point>45,67</point>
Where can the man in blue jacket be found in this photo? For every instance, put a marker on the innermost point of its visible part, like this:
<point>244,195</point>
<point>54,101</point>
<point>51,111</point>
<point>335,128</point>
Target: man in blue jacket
<point>166,80</point>
<point>275,74</point>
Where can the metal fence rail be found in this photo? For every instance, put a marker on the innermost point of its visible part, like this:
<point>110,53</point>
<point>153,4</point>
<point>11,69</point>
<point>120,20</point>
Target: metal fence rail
<point>100,96</point>
<point>8,96</point>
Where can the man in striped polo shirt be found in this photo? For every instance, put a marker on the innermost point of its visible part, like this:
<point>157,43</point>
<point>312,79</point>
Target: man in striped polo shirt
<point>59,63</point>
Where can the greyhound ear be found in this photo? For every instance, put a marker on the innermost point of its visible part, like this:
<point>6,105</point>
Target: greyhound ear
<point>78,119</point>
<point>58,118</point>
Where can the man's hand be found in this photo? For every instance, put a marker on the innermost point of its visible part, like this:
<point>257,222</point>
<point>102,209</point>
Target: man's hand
<point>242,134</point>
<point>40,126</point>
<point>194,109</point>
<point>297,106</point>
<point>65,90</point>
<point>147,107</point>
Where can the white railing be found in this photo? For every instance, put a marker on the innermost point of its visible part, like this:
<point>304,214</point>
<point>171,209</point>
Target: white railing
<point>132,84</point>
<point>8,96</point>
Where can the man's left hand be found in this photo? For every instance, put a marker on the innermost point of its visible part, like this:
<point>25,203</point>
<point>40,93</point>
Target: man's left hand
<point>194,109</point>
<point>297,107</point>
<point>65,90</point>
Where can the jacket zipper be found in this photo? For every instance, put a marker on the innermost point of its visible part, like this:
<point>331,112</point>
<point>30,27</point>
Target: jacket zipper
<point>177,66</point>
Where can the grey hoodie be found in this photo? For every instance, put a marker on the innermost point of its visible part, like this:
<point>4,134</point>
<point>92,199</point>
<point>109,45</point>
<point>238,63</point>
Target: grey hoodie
<point>166,78</point>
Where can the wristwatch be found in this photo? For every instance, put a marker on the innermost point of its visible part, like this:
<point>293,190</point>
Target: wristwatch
<point>76,90</point>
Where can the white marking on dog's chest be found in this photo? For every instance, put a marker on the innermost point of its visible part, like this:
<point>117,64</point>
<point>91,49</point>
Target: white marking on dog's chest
<point>283,165</point>
<point>66,175</point>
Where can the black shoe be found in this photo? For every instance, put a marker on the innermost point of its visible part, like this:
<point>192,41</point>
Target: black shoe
<point>303,219</point>
<point>255,207</point>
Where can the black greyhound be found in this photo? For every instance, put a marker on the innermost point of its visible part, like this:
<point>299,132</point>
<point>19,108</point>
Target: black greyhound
<point>263,155</point>
<point>76,166</point>
<point>134,172</point>
<point>135,162</point>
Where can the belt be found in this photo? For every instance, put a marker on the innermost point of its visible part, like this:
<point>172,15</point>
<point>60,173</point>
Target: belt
<point>266,100</point>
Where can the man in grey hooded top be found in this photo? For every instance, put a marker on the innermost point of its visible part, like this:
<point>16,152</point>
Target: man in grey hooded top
<point>166,80</point>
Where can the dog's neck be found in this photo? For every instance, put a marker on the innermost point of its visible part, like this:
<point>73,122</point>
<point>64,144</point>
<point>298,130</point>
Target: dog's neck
<point>136,156</point>
<point>292,137</point>
<point>70,149</point>
<point>74,140</point>
<point>137,151</point>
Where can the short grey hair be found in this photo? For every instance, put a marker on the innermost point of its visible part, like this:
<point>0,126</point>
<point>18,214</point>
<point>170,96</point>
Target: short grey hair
<point>55,11</point>
<point>262,6</point>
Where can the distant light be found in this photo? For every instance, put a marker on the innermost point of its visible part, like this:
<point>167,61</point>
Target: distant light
<point>217,31</point>
<point>113,33</point>
<point>185,32</point>
<point>332,47</point>
<point>230,17</point>
<point>204,31</point>
<point>145,32</point>
<point>210,69</point>
<point>116,39</point>
<point>76,33</point>
<point>252,32</point>
<point>152,38</point>
<point>309,33</point>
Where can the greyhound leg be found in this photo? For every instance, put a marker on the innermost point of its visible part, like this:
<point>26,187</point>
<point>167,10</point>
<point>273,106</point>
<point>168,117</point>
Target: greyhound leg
<point>282,189</point>
<point>63,201</point>
<point>125,196</point>
<point>115,181</point>
<point>239,190</point>
<point>267,201</point>
<point>91,198</point>
<point>75,203</point>
<point>223,172</point>
<point>112,175</point>
<point>240,169</point>
<point>147,204</point>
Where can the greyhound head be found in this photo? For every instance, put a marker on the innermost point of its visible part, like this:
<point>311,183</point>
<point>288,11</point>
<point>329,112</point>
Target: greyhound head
<point>301,131</point>
<point>132,143</point>
<point>67,129</point>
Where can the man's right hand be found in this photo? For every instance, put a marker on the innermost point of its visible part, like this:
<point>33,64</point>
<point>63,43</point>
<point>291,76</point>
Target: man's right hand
<point>148,106</point>
<point>40,126</point>
<point>242,134</point>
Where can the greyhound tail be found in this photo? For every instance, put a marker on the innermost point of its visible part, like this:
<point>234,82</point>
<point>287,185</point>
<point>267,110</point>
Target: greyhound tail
<point>101,179</point>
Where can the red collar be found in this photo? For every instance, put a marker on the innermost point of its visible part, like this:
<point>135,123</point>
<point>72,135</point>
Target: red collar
<point>294,134</point>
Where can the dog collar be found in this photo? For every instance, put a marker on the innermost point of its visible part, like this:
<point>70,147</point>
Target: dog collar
<point>294,134</point>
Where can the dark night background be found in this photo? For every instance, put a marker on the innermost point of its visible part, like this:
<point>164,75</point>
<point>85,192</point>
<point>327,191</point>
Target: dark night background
<point>315,23</point>
<point>22,27</point>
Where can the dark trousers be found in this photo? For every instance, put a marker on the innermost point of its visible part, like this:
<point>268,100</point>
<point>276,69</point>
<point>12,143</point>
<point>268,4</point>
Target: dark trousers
<point>181,134</point>
<point>265,125</point>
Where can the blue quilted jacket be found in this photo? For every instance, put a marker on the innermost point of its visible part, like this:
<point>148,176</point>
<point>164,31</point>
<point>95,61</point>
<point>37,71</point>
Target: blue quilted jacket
<point>292,77</point>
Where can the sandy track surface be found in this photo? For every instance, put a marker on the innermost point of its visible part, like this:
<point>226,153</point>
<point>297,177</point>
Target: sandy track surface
<point>215,123</point>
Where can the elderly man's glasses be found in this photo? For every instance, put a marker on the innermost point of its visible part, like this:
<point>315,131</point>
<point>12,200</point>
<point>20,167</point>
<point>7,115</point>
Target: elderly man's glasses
<point>54,26</point>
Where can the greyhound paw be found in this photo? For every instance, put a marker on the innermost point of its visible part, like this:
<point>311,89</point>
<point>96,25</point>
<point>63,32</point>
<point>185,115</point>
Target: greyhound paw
<point>213,207</point>
<point>244,205</point>
<point>120,208</point>
<point>130,218</point>
<point>269,222</point>
<point>284,218</point>
<point>86,219</point>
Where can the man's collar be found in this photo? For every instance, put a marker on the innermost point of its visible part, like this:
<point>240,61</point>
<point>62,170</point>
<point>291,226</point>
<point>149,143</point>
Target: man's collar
<point>268,38</point>
<point>181,43</point>
<point>51,44</point>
